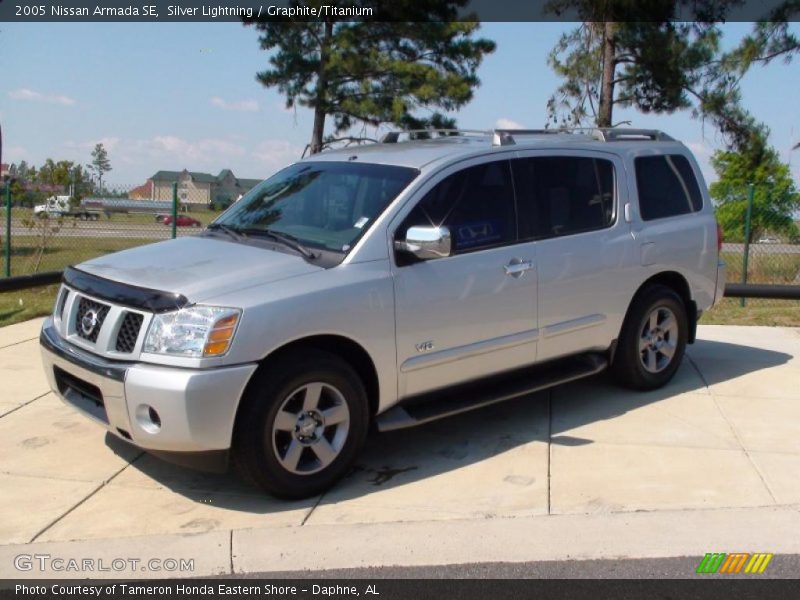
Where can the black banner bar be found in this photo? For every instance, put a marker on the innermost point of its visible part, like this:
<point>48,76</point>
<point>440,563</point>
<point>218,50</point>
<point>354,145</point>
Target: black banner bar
<point>374,10</point>
<point>391,589</point>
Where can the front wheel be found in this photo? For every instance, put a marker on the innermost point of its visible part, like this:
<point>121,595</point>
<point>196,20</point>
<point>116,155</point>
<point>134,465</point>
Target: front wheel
<point>303,420</point>
<point>653,339</point>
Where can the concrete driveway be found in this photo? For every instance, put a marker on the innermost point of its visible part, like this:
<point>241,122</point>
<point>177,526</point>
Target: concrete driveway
<point>585,470</point>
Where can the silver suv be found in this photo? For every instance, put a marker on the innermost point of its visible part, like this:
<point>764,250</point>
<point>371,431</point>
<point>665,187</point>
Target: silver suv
<point>391,284</point>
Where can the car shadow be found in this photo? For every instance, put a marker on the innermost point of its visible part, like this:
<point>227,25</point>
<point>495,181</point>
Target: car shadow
<point>408,456</point>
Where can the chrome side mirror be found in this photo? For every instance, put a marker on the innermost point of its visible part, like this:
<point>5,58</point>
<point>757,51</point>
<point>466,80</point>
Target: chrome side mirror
<point>426,242</point>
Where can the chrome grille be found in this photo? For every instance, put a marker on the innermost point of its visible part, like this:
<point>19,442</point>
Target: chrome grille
<point>129,332</point>
<point>87,307</point>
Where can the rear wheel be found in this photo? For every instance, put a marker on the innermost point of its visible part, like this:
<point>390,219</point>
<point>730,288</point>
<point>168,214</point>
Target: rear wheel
<point>301,425</point>
<point>653,339</point>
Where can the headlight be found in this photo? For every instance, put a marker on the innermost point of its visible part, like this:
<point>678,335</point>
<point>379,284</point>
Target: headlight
<point>195,332</point>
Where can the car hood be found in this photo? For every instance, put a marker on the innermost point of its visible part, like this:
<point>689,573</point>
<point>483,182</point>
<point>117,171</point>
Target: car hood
<point>197,267</point>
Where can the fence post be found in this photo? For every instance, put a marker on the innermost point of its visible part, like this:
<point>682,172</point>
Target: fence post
<point>8,229</point>
<point>747,223</point>
<point>174,210</point>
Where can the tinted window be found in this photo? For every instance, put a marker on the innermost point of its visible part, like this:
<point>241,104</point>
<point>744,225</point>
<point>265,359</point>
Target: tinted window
<point>477,204</point>
<point>667,187</point>
<point>560,195</point>
<point>325,204</point>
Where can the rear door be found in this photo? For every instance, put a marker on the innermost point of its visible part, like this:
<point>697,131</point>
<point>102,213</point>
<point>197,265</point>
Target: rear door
<point>569,204</point>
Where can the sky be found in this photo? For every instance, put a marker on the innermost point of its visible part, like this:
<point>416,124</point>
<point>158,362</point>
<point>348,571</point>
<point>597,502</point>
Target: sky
<point>184,95</point>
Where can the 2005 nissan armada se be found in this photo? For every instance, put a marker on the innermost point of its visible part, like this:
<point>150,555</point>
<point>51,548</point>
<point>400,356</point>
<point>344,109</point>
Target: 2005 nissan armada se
<point>391,284</point>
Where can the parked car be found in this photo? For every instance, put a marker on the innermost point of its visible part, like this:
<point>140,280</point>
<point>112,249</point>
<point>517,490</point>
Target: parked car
<point>392,285</point>
<point>181,221</point>
<point>767,239</point>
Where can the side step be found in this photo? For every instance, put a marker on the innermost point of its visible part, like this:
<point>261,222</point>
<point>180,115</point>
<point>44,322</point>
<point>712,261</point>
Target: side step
<point>462,398</point>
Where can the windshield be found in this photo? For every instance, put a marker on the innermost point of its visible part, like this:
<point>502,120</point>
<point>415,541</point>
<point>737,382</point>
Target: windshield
<point>326,205</point>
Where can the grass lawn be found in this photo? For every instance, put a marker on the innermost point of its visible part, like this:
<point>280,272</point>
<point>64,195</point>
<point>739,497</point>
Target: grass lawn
<point>784,313</point>
<point>16,307</point>
<point>63,251</point>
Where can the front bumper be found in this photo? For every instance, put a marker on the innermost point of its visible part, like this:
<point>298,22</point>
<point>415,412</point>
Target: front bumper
<point>179,414</point>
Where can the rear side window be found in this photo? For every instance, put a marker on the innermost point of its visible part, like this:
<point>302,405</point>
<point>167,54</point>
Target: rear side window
<point>563,195</point>
<point>476,204</point>
<point>667,186</point>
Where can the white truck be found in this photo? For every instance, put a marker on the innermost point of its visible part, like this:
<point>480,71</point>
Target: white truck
<point>59,206</point>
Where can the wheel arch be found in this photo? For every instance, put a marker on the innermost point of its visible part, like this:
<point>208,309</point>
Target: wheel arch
<point>678,283</point>
<point>346,348</point>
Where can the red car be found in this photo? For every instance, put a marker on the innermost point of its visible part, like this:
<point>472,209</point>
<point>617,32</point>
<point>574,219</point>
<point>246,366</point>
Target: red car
<point>183,221</point>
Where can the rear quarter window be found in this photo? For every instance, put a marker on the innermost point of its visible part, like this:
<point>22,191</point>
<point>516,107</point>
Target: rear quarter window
<point>667,186</point>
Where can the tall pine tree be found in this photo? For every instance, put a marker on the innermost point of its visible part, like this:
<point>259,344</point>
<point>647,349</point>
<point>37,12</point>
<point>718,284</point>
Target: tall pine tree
<point>371,72</point>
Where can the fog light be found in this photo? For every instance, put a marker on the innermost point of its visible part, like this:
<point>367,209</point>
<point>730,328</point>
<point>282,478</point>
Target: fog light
<point>148,418</point>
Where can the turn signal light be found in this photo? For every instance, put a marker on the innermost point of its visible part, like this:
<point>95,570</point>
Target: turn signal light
<point>220,337</point>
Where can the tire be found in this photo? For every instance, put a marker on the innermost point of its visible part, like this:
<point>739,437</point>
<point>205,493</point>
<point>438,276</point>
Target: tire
<point>286,440</point>
<point>652,341</point>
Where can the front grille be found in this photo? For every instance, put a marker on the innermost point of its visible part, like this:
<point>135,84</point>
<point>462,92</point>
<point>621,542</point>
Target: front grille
<point>91,329</point>
<point>129,332</point>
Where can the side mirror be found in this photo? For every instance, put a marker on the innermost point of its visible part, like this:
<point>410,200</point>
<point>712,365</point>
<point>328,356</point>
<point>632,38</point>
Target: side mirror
<point>426,242</point>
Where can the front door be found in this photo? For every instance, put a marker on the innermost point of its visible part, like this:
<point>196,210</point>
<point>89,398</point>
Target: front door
<point>472,313</point>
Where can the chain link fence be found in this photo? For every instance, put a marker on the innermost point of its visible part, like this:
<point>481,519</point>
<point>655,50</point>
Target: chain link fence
<point>45,232</point>
<point>761,231</point>
<point>50,229</point>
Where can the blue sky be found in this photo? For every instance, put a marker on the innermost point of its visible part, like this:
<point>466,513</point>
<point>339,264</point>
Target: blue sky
<point>174,96</point>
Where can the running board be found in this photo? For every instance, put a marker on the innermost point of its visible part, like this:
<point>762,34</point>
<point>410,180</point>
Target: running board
<point>462,398</point>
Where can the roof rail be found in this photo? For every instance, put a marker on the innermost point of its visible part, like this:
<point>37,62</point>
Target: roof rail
<point>505,137</point>
<point>612,134</point>
<point>393,137</point>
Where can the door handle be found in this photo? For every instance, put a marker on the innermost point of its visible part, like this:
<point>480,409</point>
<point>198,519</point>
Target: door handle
<point>517,268</point>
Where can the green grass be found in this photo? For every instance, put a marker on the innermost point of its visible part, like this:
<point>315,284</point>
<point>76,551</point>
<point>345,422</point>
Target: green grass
<point>63,251</point>
<point>22,305</point>
<point>775,313</point>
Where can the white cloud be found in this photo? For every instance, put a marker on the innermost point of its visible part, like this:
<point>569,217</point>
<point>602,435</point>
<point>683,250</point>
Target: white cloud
<point>242,105</point>
<point>274,154</point>
<point>15,154</point>
<point>30,95</point>
<point>700,148</point>
<point>505,123</point>
<point>110,143</point>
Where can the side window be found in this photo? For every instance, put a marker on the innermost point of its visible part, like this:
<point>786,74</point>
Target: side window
<point>476,204</point>
<point>667,186</point>
<point>562,195</point>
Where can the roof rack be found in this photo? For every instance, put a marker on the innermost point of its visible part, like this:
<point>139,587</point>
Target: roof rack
<point>505,137</point>
<point>393,137</point>
<point>612,134</point>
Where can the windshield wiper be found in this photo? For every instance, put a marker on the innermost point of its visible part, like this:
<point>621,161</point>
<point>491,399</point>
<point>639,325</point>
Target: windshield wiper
<point>286,239</point>
<point>235,234</point>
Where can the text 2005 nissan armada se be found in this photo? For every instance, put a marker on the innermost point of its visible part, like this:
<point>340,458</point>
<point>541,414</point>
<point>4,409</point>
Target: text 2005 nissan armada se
<point>391,284</point>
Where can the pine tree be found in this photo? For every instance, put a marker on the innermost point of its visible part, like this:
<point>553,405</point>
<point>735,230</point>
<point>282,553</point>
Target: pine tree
<point>372,72</point>
<point>100,164</point>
